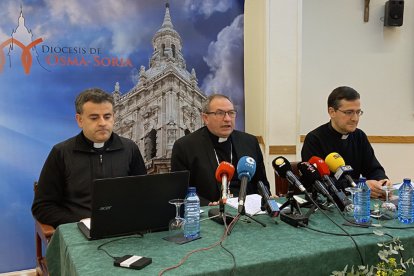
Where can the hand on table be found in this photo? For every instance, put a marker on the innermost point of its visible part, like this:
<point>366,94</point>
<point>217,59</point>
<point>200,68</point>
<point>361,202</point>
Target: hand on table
<point>375,186</point>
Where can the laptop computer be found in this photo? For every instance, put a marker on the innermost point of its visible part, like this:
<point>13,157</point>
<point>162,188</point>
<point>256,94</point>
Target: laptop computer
<point>133,204</point>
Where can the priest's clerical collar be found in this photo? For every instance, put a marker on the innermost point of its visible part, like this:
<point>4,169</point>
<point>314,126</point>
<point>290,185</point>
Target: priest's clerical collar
<point>98,145</point>
<point>221,140</point>
<point>338,134</point>
<point>216,139</point>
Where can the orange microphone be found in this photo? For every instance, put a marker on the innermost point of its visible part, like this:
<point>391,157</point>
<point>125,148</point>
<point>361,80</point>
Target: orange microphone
<point>224,173</point>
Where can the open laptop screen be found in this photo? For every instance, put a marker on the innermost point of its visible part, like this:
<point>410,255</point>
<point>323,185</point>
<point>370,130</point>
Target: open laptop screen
<point>134,204</point>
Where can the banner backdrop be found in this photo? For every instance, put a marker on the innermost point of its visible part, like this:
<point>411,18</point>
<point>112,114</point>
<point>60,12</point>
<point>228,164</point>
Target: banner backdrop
<point>53,49</point>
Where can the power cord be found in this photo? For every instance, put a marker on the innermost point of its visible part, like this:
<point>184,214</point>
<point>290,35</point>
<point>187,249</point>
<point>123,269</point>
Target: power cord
<point>115,240</point>
<point>225,235</point>
<point>346,232</point>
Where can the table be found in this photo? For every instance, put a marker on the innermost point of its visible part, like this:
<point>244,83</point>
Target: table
<point>277,249</point>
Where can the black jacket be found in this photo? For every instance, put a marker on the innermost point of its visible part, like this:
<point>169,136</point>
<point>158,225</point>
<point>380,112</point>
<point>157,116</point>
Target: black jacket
<point>355,149</point>
<point>195,152</point>
<point>64,189</point>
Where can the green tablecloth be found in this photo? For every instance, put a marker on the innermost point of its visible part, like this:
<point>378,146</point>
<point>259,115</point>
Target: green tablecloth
<point>277,249</point>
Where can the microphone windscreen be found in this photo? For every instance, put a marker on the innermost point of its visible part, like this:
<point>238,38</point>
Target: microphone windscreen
<point>246,167</point>
<point>309,173</point>
<point>281,165</point>
<point>334,160</point>
<point>224,168</point>
<point>320,165</point>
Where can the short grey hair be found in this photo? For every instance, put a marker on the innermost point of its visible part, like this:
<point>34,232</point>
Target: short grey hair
<point>206,104</point>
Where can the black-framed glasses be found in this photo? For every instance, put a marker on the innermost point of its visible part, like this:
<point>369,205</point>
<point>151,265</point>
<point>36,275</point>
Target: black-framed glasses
<point>221,113</point>
<point>351,113</point>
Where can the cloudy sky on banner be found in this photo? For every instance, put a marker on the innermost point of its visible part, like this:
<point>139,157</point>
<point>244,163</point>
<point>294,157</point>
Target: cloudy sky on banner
<point>125,29</point>
<point>211,30</point>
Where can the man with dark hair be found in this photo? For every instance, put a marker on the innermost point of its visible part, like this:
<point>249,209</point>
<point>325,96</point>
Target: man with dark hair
<point>202,151</point>
<point>65,184</point>
<point>341,135</point>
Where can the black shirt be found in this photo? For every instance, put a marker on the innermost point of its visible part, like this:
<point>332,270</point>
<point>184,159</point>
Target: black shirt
<point>354,148</point>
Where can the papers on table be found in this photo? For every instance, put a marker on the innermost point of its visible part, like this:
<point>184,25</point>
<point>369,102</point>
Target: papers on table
<point>398,185</point>
<point>251,206</point>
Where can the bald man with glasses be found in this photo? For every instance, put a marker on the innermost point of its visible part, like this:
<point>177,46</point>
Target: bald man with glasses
<point>202,151</point>
<point>341,135</point>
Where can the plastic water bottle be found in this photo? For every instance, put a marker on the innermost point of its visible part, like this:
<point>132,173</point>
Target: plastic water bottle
<point>192,214</point>
<point>405,202</point>
<point>362,202</point>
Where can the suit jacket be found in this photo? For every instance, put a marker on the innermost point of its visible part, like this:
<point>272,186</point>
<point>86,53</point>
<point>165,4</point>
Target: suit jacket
<point>195,152</point>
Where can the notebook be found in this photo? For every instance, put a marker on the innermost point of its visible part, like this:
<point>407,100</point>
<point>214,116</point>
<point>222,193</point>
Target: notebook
<point>133,204</point>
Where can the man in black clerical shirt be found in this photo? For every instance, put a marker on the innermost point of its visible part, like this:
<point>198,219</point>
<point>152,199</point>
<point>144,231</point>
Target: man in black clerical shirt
<point>202,151</point>
<point>64,192</point>
<point>341,135</point>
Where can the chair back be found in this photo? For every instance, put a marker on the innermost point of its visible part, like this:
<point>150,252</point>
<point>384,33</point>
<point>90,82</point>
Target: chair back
<point>43,234</point>
<point>282,184</point>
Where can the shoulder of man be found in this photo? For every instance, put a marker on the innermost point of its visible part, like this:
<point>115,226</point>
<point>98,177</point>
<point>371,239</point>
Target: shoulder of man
<point>122,141</point>
<point>237,134</point>
<point>360,134</point>
<point>190,136</point>
<point>68,143</point>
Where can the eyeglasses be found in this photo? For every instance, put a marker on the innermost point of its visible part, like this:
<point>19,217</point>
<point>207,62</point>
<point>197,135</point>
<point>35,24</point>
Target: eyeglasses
<point>221,113</point>
<point>351,113</point>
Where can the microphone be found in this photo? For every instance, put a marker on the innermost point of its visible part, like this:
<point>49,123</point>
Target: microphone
<point>224,173</point>
<point>283,168</point>
<point>246,167</point>
<point>310,175</point>
<point>341,200</point>
<point>268,204</point>
<point>337,165</point>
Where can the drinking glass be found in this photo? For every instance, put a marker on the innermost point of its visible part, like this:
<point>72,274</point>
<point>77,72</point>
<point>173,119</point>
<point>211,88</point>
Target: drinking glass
<point>350,207</point>
<point>176,225</point>
<point>388,209</point>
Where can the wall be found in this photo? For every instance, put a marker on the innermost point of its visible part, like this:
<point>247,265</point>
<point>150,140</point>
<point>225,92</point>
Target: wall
<point>314,46</point>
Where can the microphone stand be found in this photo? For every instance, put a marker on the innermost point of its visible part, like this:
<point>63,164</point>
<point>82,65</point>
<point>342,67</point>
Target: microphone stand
<point>315,198</point>
<point>294,217</point>
<point>243,213</point>
<point>220,217</point>
<point>291,201</point>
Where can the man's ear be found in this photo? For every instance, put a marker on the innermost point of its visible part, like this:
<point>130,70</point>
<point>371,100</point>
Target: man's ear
<point>205,118</point>
<point>331,111</point>
<point>78,118</point>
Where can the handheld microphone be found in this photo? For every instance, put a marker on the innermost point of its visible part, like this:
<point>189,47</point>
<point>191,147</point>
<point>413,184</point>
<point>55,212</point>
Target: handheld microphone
<point>337,165</point>
<point>283,168</point>
<point>246,167</point>
<point>268,204</point>
<point>310,175</point>
<point>324,171</point>
<point>224,173</point>
<point>341,200</point>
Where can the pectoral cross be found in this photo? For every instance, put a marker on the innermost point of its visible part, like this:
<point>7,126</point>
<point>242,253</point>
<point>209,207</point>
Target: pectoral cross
<point>366,11</point>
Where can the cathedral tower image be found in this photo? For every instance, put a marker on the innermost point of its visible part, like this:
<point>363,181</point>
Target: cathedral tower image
<point>164,105</point>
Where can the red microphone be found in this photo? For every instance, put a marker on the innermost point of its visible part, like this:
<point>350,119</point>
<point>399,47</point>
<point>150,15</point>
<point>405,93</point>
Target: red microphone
<point>224,173</point>
<point>339,197</point>
<point>320,165</point>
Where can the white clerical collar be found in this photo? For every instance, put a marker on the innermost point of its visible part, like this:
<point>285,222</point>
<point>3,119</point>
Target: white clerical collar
<point>344,136</point>
<point>221,140</point>
<point>98,145</point>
